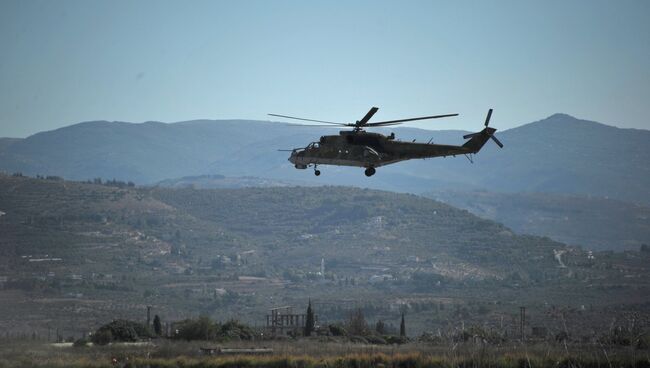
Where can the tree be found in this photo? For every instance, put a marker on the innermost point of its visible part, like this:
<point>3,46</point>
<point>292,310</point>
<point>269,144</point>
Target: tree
<point>157,326</point>
<point>357,324</point>
<point>380,327</point>
<point>309,323</point>
<point>402,327</point>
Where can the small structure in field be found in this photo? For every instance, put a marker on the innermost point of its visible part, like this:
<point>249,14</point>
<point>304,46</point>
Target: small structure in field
<point>236,351</point>
<point>282,321</point>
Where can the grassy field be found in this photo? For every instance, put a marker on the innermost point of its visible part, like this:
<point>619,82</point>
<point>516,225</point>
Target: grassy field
<point>312,353</point>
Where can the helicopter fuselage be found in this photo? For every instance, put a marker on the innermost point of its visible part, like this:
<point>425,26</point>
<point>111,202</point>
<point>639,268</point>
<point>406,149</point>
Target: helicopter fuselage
<point>369,150</point>
<point>359,148</point>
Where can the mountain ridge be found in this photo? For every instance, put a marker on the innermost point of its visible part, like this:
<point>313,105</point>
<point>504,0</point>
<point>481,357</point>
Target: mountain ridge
<point>558,154</point>
<point>200,121</point>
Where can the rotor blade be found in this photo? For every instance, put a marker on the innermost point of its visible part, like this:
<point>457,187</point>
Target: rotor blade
<point>380,124</point>
<point>286,150</point>
<point>319,125</point>
<point>412,119</point>
<point>487,119</point>
<point>466,136</point>
<point>497,141</point>
<point>317,121</point>
<point>369,115</point>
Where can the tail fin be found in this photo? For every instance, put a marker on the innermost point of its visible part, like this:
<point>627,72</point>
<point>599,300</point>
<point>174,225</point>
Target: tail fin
<point>479,139</point>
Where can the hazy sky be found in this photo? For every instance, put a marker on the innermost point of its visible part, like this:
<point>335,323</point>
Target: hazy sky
<point>63,62</point>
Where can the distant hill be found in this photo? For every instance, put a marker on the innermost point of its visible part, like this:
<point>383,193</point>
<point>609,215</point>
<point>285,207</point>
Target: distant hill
<point>321,221</point>
<point>223,182</point>
<point>594,223</point>
<point>591,222</point>
<point>559,154</point>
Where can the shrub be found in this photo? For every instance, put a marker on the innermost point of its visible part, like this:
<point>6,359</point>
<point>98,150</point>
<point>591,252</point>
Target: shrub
<point>235,329</point>
<point>120,330</point>
<point>337,330</point>
<point>396,340</point>
<point>80,343</point>
<point>102,337</point>
<point>199,329</point>
<point>377,340</point>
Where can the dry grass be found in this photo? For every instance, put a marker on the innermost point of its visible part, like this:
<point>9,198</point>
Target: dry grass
<point>314,354</point>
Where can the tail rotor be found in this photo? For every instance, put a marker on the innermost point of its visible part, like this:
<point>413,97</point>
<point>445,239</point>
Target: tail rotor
<point>489,132</point>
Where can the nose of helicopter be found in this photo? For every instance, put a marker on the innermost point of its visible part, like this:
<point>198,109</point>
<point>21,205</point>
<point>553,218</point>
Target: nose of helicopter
<point>292,157</point>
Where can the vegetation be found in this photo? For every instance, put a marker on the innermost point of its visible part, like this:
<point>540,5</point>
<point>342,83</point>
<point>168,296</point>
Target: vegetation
<point>204,328</point>
<point>309,320</point>
<point>357,324</point>
<point>121,331</point>
<point>157,325</point>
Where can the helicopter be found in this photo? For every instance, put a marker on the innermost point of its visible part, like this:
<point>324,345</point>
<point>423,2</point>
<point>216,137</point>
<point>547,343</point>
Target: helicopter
<point>360,148</point>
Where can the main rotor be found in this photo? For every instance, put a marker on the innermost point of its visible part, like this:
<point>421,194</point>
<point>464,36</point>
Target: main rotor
<point>359,125</point>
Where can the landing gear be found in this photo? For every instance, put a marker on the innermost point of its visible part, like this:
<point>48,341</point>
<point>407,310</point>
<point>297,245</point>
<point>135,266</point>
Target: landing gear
<point>370,171</point>
<point>316,171</point>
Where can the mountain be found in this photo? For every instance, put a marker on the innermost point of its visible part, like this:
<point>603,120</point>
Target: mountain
<point>75,255</point>
<point>559,154</point>
<point>590,222</point>
<point>143,153</point>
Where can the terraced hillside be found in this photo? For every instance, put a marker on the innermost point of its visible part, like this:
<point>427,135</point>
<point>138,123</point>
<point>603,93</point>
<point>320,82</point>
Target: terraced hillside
<point>74,255</point>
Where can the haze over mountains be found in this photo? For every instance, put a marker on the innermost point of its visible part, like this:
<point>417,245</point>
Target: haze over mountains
<point>559,154</point>
<point>591,222</point>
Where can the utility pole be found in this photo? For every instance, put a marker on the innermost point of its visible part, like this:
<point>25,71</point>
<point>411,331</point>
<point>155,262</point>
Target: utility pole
<point>522,322</point>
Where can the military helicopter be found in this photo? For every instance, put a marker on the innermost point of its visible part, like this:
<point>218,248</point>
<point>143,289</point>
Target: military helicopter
<point>359,148</point>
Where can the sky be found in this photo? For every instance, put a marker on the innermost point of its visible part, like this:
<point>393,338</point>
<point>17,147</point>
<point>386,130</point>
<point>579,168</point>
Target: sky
<point>64,62</point>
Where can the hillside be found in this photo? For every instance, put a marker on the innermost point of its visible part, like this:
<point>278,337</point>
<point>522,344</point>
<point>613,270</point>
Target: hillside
<point>226,182</point>
<point>559,154</point>
<point>594,223</point>
<point>591,222</point>
<point>76,254</point>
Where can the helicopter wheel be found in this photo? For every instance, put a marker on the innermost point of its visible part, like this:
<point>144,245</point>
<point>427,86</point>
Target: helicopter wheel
<point>370,171</point>
<point>317,172</point>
